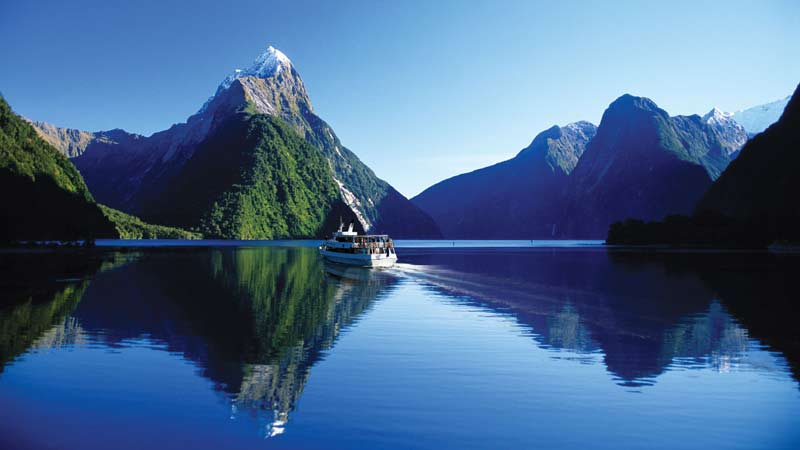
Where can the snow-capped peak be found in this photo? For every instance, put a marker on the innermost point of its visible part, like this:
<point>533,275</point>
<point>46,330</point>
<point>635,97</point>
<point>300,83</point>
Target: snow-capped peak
<point>717,115</point>
<point>268,64</point>
<point>580,125</point>
<point>271,62</point>
<point>731,135</point>
<point>758,118</point>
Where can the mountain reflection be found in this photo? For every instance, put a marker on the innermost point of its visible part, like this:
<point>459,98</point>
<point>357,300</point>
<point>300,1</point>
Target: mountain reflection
<point>644,312</point>
<point>253,320</point>
<point>566,331</point>
<point>37,316</point>
<point>38,291</point>
<point>712,339</point>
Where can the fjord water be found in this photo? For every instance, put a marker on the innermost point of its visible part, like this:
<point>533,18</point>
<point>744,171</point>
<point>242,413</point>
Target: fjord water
<point>481,347</point>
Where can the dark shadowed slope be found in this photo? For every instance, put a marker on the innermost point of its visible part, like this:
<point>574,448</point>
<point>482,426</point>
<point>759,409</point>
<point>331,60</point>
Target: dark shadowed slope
<point>43,195</point>
<point>642,163</point>
<point>518,198</point>
<point>761,185</point>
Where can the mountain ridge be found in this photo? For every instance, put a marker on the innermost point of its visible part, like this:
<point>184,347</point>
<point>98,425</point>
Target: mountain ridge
<point>641,163</point>
<point>516,198</point>
<point>130,174</point>
<point>730,133</point>
<point>756,119</point>
<point>750,205</point>
<point>574,181</point>
<point>44,196</point>
<point>756,186</point>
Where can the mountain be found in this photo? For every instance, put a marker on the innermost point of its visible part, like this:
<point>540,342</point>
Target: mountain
<point>758,118</point>
<point>518,198</point>
<point>132,227</point>
<point>267,190</point>
<point>573,182</point>
<point>68,141</point>
<point>642,163</point>
<point>760,186</point>
<point>750,205</point>
<point>730,133</point>
<point>254,178</point>
<point>43,195</point>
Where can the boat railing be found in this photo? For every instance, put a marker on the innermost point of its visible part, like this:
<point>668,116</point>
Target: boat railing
<point>369,248</point>
<point>373,244</point>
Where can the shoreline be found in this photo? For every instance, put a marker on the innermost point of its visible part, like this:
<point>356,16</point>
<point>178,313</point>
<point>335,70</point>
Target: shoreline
<point>102,245</point>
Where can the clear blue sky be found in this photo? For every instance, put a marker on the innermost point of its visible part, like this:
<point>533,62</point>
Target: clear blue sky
<point>419,90</point>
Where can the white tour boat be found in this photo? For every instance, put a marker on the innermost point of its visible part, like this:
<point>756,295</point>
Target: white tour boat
<point>366,250</point>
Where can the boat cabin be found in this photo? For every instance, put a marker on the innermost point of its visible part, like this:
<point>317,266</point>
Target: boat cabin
<point>369,250</point>
<point>364,244</point>
<point>351,242</point>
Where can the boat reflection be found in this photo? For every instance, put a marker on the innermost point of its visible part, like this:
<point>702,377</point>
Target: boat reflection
<point>253,320</point>
<point>357,274</point>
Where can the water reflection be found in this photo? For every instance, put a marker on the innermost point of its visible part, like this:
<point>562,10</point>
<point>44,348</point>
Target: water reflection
<point>30,319</point>
<point>565,330</point>
<point>712,339</point>
<point>253,320</point>
<point>644,312</point>
<point>38,291</point>
<point>254,323</point>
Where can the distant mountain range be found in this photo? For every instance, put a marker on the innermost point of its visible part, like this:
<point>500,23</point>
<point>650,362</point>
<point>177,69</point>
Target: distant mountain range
<point>758,118</point>
<point>760,187</point>
<point>518,198</point>
<point>255,162</point>
<point>573,182</point>
<point>642,163</point>
<point>45,198</point>
<point>752,204</point>
<point>43,195</point>
<point>730,133</point>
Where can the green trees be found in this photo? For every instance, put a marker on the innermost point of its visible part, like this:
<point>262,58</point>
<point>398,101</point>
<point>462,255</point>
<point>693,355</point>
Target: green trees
<point>132,227</point>
<point>43,196</point>
<point>254,178</point>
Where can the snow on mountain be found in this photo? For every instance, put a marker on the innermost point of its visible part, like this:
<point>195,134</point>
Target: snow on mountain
<point>759,118</point>
<point>731,134</point>
<point>269,64</point>
<point>716,116</point>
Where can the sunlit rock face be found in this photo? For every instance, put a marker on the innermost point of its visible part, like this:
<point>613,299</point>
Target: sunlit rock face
<point>730,133</point>
<point>131,172</point>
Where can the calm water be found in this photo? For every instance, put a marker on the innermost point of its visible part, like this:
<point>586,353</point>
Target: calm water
<point>401,243</point>
<point>521,347</point>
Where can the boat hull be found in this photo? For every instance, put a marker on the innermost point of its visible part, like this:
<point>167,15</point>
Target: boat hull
<point>360,260</point>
